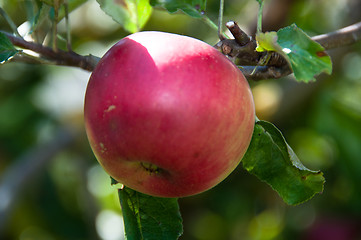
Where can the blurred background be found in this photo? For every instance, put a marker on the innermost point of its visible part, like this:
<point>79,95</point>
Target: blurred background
<point>52,188</point>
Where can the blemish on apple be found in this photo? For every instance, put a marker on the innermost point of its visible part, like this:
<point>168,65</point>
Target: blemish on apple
<point>110,108</point>
<point>103,149</point>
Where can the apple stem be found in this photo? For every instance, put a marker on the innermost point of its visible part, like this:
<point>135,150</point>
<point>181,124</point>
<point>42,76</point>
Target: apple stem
<point>149,167</point>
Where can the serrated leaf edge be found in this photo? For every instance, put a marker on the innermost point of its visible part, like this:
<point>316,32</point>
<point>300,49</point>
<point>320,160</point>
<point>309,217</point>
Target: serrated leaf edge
<point>311,172</point>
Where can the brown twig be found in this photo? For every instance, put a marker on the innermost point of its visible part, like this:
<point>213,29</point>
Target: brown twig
<point>257,73</point>
<point>247,57</point>
<point>340,38</point>
<point>59,57</point>
<point>241,37</point>
<point>242,51</point>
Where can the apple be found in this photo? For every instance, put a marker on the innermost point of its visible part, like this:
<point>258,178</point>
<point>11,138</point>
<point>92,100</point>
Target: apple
<point>168,115</point>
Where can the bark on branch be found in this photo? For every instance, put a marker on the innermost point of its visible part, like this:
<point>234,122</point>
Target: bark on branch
<point>241,49</point>
<point>57,57</point>
<point>245,55</point>
<point>340,38</point>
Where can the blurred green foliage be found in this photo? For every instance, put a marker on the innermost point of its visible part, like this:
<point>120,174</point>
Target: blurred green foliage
<point>71,197</point>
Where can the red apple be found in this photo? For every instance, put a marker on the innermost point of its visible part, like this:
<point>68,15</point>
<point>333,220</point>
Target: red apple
<point>168,115</point>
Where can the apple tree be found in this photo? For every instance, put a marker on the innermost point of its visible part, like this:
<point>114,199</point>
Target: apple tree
<point>175,120</point>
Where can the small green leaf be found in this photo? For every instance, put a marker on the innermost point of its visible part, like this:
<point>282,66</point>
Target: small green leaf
<point>40,17</point>
<point>7,49</point>
<point>29,8</point>
<point>267,42</point>
<point>113,181</point>
<point>72,5</point>
<point>51,2</point>
<point>131,14</point>
<point>193,8</point>
<point>271,159</point>
<point>149,218</point>
<point>307,57</point>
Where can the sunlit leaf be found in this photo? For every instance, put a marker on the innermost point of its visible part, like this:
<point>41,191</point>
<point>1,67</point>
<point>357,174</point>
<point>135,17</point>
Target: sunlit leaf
<point>307,57</point>
<point>150,218</point>
<point>131,14</point>
<point>7,49</point>
<point>267,42</point>
<point>194,8</point>
<point>271,159</point>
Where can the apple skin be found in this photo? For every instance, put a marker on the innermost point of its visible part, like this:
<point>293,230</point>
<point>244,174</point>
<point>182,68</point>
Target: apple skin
<point>168,115</point>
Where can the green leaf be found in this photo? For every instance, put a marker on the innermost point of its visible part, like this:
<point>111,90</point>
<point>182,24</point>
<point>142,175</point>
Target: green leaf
<point>307,57</point>
<point>267,42</point>
<point>149,218</point>
<point>29,8</point>
<point>271,159</point>
<point>40,17</point>
<point>7,49</point>
<point>113,181</point>
<point>131,14</point>
<point>193,8</point>
<point>72,5</point>
<point>50,2</point>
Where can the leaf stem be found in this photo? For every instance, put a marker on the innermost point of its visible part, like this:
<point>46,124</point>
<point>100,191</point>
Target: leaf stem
<point>259,19</point>
<point>67,23</point>
<point>59,57</point>
<point>55,25</point>
<point>209,22</point>
<point>10,22</point>
<point>220,20</point>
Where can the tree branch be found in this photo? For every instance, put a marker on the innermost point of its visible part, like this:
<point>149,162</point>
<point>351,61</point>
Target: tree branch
<point>241,50</point>
<point>340,38</point>
<point>257,73</point>
<point>58,57</point>
<point>248,58</point>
